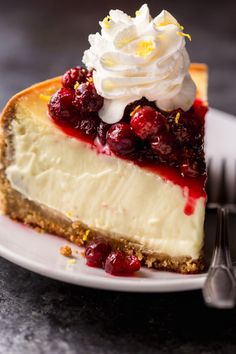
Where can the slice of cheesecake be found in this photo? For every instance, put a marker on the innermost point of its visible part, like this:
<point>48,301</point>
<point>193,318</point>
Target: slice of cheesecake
<point>54,179</point>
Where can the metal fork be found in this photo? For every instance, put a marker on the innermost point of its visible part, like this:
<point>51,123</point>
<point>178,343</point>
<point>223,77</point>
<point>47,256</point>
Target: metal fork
<point>219,290</point>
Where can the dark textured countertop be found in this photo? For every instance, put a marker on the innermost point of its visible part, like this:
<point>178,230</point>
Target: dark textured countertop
<point>40,39</point>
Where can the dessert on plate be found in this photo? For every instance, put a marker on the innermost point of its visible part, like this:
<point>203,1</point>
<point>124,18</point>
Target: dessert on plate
<point>114,151</point>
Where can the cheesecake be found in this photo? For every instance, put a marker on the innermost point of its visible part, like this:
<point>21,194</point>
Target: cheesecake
<point>114,151</point>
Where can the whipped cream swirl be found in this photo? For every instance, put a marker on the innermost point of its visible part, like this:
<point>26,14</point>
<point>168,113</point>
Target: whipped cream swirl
<point>137,57</point>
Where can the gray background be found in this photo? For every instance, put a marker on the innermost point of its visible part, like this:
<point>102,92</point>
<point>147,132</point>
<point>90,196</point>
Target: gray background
<point>41,39</point>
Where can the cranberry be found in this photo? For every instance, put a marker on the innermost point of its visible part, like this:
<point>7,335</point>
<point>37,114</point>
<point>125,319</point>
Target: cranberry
<point>147,122</point>
<point>102,132</point>
<point>74,75</point>
<point>121,139</point>
<point>187,128</point>
<point>130,107</point>
<point>96,253</point>
<point>163,144</point>
<point>145,154</point>
<point>89,124</point>
<point>61,108</point>
<point>90,74</point>
<point>87,99</point>
<point>188,153</point>
<point>118,263</point>
<point>192,168</point>
<point>200,109</point>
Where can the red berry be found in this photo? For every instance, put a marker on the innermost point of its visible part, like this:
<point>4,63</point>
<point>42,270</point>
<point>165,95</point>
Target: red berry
<point>87,99</point>
<point>118,263</point>
<point>89,125</point>
<point>192,167</point>
<point>200,109</point>
<point>96,253</point>
<point>187,128</point>
<point>90,74</point>
<point>129,109</point>
<point>74,75</point>
<point>121,139</point>
<point>189,169</point>
<point>102,132</point>
<point>163,144</point>
<point>147,122</point>
<point>61,108</point>
<point>146,154</point>
<point>188,153</point>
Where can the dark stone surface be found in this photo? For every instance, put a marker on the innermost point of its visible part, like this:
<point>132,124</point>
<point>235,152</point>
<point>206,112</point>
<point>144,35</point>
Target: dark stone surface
<point>40,39</point>
<point>44,316</point>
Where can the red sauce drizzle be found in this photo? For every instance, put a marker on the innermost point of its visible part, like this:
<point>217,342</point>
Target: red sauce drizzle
<point>193,188</point>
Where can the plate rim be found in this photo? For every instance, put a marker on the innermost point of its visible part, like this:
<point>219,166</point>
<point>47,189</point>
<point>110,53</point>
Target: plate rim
<point>110,283</point>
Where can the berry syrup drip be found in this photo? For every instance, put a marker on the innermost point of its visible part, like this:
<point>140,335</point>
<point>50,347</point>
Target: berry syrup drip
<point>167,143</point>
<point>193,188</point>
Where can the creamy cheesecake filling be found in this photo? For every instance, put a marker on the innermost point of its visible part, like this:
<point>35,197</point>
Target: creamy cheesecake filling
<point>104,192</point>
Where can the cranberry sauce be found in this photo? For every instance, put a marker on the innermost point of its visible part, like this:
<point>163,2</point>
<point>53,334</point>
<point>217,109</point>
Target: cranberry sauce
<point>168,143</point>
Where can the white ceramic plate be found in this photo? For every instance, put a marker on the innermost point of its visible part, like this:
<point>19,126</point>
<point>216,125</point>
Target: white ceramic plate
<point>39,252</point>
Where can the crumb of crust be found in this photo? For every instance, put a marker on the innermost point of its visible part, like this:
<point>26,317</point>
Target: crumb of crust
<point>82,254</point>
<point>39,230</point>
<point>149,261</point>
<point>66,251</point>
<point>75,225</point>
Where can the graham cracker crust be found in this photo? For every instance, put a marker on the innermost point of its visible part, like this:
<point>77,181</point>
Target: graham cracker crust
<point>17,207</point>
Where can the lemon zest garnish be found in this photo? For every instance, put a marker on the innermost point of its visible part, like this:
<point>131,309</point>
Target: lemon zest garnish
<point>76,85</point>
<point>90,80</point>
<point>138,13</point>
<point>44,97</point>
<point>162,24</point>
<point>71,261</point>
<point>106,22</point>
<point>135,110</point>
<point>85,237</point>
<point>144,48</point>
<point>182,34</point>
<point>69,214</point>
<point>166,23</point>
<point>177,118</point>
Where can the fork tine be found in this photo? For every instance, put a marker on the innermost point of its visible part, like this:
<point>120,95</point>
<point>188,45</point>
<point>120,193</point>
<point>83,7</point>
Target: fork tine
<point>222,191</point>
<point>209,182</point>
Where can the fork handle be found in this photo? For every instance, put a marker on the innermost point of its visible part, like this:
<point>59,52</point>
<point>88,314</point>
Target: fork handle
<point>219,289</point>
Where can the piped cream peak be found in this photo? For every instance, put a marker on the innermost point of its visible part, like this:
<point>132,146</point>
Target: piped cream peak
<point>137,57</point>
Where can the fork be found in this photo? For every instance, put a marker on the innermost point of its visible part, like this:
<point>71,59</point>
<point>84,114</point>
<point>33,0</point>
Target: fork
<point>219,290</point>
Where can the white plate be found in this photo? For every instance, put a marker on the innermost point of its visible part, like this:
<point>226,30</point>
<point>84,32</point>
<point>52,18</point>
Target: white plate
<point>39,252</point>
